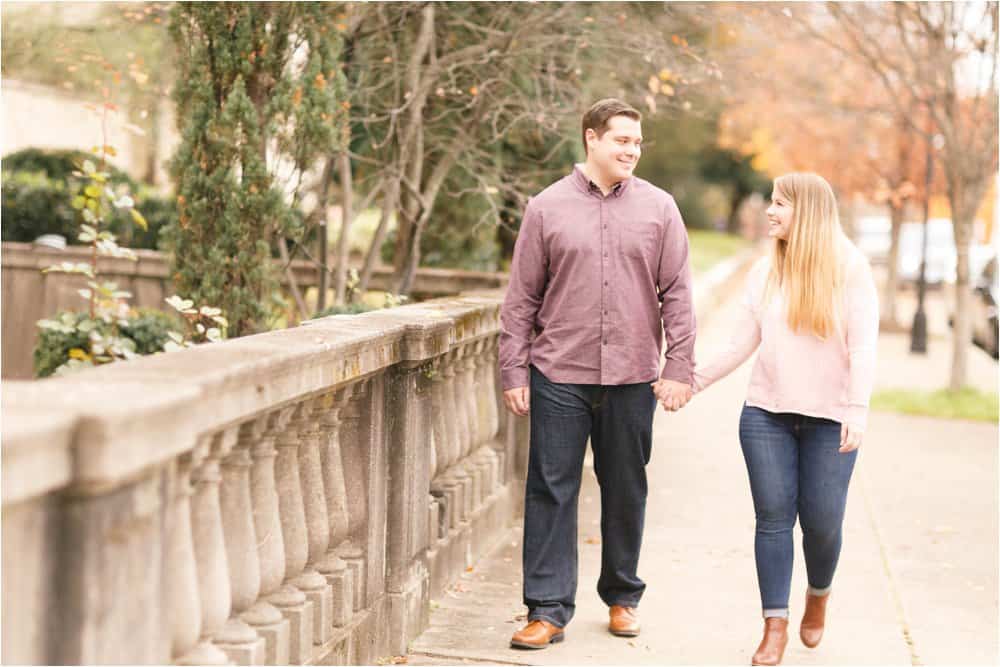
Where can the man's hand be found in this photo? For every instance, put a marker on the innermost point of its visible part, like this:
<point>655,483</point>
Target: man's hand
<point>671,394</point>
<point>850,438</point>
<point>518,400</point>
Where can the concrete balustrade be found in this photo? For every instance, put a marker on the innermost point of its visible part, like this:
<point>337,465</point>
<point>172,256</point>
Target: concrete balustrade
<point>293,497</point>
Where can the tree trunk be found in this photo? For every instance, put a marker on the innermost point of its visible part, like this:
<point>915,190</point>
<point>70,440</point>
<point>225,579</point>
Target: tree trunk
<point>290,276</point>
<point>389,201</point>
<point>963,206</point>
<point>733,223</point>
<point>890,318</point>
<point>321,212</point>
<point>346,218</point>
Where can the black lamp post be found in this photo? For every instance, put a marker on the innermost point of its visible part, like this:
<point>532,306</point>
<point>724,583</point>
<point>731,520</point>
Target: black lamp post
<point>918,334</point>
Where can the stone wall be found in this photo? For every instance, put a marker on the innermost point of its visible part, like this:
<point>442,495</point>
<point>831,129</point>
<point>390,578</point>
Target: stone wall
<point>29,295</point>
<point>297,496</point>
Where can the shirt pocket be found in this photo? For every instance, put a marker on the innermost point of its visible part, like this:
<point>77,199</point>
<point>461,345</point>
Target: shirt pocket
<point>640,240</point>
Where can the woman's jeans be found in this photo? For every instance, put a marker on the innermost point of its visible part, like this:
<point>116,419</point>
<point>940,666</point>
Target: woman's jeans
<point>795,469</point>
<point>619,422</point>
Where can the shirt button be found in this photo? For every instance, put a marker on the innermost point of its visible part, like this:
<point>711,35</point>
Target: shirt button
<point>605,283</point>
<point>605,342</point>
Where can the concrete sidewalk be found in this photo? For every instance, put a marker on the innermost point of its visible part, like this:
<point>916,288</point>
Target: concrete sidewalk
<point>917,582</point>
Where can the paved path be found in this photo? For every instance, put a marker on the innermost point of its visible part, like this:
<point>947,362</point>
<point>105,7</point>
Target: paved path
<point>917,582</point>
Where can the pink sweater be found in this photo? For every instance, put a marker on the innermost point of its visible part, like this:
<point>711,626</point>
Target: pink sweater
<point>800,373</point>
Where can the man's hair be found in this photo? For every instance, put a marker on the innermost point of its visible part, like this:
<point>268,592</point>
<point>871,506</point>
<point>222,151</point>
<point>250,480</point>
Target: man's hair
<point>601,112</point>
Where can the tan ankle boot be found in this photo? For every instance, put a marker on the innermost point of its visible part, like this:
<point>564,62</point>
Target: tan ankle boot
<point>813,620</point>
<point>772,646</point>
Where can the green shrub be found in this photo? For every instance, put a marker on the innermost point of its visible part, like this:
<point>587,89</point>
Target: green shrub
<point>39,185</point>
<point>147,328</point>
<point>34,204</point>
<point>59,164</point>
<point>53,346</point>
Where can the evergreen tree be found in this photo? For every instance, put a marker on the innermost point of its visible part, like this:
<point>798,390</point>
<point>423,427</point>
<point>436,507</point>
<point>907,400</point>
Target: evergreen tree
<point>259,93</point>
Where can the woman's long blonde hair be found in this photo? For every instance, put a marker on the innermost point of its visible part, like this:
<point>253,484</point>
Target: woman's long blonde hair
<point>807,267</point>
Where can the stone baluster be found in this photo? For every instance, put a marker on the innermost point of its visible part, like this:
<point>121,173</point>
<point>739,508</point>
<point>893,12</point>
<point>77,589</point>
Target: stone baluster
<point>450,409</point>
<point>488,411</point>
<point>238,639</point>
<point>291,601</point>
<point>491,371</point>
<point>463,394</point>
<point>311,582</point>
<point>262,616</point>
<point>479,373</point>
<point>211,568</point>
<point>331,565</point>
<point>443,431</point>
<point>182,599</point>
<point>471,395</point>
<point>351,549</point>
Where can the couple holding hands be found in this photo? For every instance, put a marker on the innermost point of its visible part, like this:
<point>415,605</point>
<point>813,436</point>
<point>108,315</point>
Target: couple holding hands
<point>600,276</point>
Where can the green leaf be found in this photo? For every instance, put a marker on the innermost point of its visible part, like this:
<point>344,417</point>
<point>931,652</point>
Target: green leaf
<point>179,303</point>
<point>139,219</point>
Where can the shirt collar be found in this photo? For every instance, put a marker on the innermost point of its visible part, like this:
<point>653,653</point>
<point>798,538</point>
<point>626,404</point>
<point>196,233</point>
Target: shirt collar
<point>587,186</point>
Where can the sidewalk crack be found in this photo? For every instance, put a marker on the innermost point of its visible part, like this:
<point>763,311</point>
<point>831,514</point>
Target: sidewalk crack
<point>897,598</point>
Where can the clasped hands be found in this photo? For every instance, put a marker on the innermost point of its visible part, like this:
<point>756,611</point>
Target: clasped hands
<point>672,395</point>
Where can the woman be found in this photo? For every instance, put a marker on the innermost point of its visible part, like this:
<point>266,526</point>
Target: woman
<point>812,309</point>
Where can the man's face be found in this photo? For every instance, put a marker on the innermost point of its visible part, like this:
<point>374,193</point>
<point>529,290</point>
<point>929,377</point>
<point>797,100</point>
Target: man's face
<point>617,152</point>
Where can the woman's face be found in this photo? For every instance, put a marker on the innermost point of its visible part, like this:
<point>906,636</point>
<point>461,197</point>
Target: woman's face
<point>779,216</point>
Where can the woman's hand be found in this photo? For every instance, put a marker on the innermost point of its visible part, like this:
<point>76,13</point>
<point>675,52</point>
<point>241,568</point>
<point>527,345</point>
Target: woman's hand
<point>672,395</point>
<point>850,438</point>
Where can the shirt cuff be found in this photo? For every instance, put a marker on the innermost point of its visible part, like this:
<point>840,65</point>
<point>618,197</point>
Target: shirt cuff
<point>678,371</point>
<point>857,417</point>
<point>512,378</point>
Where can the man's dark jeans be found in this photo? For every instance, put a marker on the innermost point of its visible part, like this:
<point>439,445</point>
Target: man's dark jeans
<point>619,422</point>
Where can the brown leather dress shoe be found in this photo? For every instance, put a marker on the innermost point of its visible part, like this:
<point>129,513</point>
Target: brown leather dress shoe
<point>813,620</point>
<point>772,646</point>
<point>537,634</point>
<point>624,621</point>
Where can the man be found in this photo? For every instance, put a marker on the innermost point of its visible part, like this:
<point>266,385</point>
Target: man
<point>600,262</point>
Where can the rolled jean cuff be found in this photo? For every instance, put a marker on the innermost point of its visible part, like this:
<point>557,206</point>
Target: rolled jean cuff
<point>776,613</point>
<point>819,592</point>
<point>547,619</point>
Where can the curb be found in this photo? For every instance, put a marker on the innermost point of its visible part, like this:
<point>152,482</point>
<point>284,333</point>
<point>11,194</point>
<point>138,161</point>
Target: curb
<point>715,285</point>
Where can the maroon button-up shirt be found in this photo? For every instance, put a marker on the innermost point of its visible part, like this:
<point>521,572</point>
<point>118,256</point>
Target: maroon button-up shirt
<point>591,281</point>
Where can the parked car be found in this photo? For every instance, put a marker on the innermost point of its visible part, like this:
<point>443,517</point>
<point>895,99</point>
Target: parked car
<point>872,234</point>
<point>986,295</point>
<point>941,256</point>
